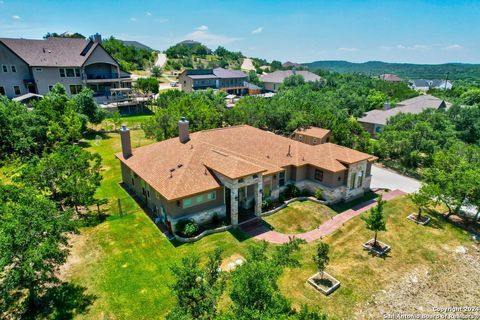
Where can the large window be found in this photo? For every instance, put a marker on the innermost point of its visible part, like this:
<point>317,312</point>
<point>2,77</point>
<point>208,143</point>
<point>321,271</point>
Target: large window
<point>352,180</point>
<point>281,179</point>
<point>267,187</point>
<point>2,90</point>
<point>318,175</point>
<point>62,73</point>
<point>17,91</point>
<point>70,73</point>
<point>360,179</point>
<point>201,198</point>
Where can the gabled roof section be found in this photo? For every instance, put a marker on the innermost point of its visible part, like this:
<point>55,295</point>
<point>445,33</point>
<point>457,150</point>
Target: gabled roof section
<point>280,75</point>
<point>225,73</point>
<point>315,132</point>
<point>52,52</point>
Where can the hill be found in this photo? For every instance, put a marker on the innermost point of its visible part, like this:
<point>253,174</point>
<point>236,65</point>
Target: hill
<point>456,71</point>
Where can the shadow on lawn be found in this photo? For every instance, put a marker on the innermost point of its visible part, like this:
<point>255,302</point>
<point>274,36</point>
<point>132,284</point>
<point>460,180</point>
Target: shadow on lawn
<point>92,137</point>
<point>64,302</point>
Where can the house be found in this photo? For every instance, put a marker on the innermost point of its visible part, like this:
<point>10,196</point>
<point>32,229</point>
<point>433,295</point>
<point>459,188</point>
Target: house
<point>425,85</point>
<point>312,135</point>
<point>272,81</point>
<point>388,77</point>
<point>228,172</point>
<point>34,66</point>
<point>373,121</point>
<point>230,81</point>
<point>290,64</point>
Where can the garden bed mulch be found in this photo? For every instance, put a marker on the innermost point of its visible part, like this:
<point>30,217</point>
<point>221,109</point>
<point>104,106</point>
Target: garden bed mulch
<point>379,249</point>
<point>414,217</point>
<point>326,284</point>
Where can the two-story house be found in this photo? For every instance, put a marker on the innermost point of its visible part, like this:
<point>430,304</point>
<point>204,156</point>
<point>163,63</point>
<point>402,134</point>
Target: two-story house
<point>34,66</point>
<point>228,172</point>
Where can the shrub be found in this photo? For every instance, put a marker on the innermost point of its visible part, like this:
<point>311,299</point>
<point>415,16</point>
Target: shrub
<point>186,227</point>
<point>216,220</point>
<point>319,194</point>
<point>292,191</point>
<point>267,204</point>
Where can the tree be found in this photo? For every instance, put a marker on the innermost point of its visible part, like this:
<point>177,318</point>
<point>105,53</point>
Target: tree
<point>86,105</point>
<point>422,200</point>
<point>129,57</point>
<point>375,220</point>
<point>69,175</point>
<point>293,81</point>
<point>156,71</point>
<point>33,245</point>
<point>471,97</point>
<point>197,289</point>
<point>321,258</point>
<point>147,85</point>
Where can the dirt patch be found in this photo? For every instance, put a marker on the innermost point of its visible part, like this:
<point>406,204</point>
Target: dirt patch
<point>421,290</point>
<point>230,263</point>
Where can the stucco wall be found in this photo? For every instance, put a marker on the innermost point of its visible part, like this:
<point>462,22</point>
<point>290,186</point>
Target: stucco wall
<point>99,55</point>
<point>186,82</point>
<point>9,79</point>
<point>45,77</point>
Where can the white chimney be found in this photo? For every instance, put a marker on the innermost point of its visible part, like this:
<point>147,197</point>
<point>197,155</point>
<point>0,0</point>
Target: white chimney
<point>183,134</point>
<point>126,142</point>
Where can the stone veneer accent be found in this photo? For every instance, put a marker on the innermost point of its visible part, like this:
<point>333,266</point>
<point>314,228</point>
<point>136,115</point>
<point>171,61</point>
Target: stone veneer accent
<point>202,217</point>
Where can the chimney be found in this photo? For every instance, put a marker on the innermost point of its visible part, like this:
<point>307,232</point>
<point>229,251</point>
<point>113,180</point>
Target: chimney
<point>126,142</point>
<point>183,134</point>
<point>97,37</point>
<point>386,106</point>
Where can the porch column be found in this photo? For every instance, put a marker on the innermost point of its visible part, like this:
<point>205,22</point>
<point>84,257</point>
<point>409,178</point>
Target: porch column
<point>234,206</point>
<point>258,198</point>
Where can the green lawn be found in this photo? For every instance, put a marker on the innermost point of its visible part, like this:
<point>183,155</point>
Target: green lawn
<point>125,261</point>
<point>299,217</point>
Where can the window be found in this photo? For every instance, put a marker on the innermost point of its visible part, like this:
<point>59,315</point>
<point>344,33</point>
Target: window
<point>70,73</point>
<point>360,179</point>
<point>187,202</point>
<point>13,68</point>
<point>199,199</point>
<point>77,72</point>
<point>50,88</point>
<point>281,179</point>
<point>315,140</point>
<point>4,68</point>
<point>318,175</point>
<point>211,195</point>
<point>75,88</point>
<point>62,73</point>
<point>38,69</point>
<point>352,180</point>
<point>300,137</point>
<point>17,91</point>
<point>267,187</point>
<point>2,91</point>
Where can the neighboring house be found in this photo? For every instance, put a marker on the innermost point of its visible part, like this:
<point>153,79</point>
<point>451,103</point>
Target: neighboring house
<point>230,81</point>
<point>272,81</point>
<point>34,66</point>
<point>312,135</point>
<point>425,85</point>
<point>388,77</point>
<point>373,121</point>
<point>229,172</point>
<point>290,64</point>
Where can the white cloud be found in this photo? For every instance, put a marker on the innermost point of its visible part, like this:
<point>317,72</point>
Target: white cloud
<point>16,17</point>
<point>348,49</point>
<point>201,34</point>
<point>161,20</point>
<point>453,47</point>
<point>148,14</point>
<point>133,19</point>
<point>400,46</point>
<point>258,30</point>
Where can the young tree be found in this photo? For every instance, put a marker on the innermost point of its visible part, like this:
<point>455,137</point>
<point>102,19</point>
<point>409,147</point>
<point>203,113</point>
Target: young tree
<point>156,71</point>
<point>422,200</point>
<point>86,105</point>
<point>33,245</point>
<point>147,85</point>
<point>321,258</point>
<point>375,220</point>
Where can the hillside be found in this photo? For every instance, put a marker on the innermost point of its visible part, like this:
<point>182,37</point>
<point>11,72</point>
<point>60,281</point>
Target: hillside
<point>457,71</point>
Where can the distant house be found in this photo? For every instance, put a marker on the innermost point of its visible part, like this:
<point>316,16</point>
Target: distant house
<point>290,64</point>
<point>425,85</point>
<point>373,121</point>
<point>34,66</point>
<point>227,173</point>
<point>189,43</point>
<point>272,81</point>
<point>230,81</point>
<point>388,77</point>
<point>312,135</point>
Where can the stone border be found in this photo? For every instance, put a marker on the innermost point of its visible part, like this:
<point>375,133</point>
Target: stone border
<point>334,287</point>
<point>375,251</point>
<point>203,234</point>
<point>287,202</point>
<point>412,218</point>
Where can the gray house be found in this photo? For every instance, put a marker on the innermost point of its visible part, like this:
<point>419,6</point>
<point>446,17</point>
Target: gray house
<point>34,66</point>
<point>272,81</point>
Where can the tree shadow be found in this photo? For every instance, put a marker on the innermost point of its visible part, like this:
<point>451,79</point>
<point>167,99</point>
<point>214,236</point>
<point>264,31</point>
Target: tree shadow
<point>64,302</point>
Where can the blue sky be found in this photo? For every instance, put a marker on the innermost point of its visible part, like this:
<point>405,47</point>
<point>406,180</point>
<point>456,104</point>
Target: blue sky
<point>300,31</point>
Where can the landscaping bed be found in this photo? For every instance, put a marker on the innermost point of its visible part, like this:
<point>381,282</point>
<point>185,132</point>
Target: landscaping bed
<point>326,284</point>
<point>379,249</point>
<point>423,220</point>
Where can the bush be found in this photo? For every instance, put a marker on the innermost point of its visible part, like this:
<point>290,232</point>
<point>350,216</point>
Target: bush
<point>292,191</point>
<point>186,227</point>
<point>319,194</point>
<point>267,204</point>
<point>216,220</point>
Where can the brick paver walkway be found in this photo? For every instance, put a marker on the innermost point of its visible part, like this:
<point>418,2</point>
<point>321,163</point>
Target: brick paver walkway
<point>259,231</point>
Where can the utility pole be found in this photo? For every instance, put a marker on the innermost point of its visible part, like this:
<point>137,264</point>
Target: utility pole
<point>446,80</point>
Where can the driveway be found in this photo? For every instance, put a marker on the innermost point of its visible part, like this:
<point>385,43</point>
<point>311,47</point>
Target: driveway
<point>161,60</point>
<point>383,178</point>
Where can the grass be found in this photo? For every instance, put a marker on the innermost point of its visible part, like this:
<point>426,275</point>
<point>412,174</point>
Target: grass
<point>125,261</point>
<point>343,206</point>
<point>299,217</point>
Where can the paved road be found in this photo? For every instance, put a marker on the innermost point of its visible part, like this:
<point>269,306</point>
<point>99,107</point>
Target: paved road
<point>161,60</point>
<point>383,178</point>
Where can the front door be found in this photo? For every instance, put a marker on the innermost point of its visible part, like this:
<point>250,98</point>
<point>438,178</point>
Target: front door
<point>31,88</point>
<point>228,201</point>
